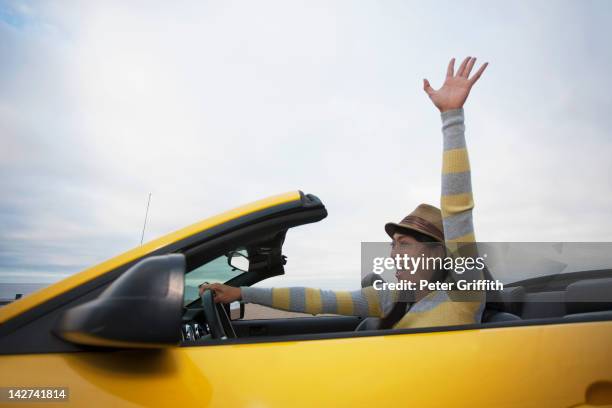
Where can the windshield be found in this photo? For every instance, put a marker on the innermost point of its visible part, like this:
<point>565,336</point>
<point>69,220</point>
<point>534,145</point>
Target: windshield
<point>217,270</point>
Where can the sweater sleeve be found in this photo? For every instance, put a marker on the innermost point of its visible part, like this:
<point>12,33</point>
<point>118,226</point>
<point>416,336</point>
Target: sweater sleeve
<point>456,204</point>
<point>456,199</point>
<point>367,302</point>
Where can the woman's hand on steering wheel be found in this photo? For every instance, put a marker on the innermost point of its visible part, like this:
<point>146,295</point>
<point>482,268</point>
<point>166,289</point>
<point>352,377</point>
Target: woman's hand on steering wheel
<point>219,323</point>
<point>223,293</point>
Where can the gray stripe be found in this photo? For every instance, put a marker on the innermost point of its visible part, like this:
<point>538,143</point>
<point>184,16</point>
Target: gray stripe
<point>458,225</point>
<point>454,138</point>
<point>452,116</point>
<point>453,129</point>
<point>456,183</point>
<point>297,299</point>
<point>261,296</point>
<point>328,302</point>
<point>360,303</point>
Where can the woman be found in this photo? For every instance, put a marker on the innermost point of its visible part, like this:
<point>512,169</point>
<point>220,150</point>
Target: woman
<point>451,226</point>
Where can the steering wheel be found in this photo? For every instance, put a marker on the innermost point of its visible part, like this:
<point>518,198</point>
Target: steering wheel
<point>219,323</point>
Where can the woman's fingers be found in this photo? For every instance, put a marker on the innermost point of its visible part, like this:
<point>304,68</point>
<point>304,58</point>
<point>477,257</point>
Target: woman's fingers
<point>468,67</point>
<point>427,87</point>
<point>222,293</point>
<point>478,73</point>
<point>451,68</point>
<point>462,66</point>
<point>211,286</point>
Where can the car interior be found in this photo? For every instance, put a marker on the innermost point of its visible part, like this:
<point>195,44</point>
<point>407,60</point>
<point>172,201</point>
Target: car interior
<point>557,298</point>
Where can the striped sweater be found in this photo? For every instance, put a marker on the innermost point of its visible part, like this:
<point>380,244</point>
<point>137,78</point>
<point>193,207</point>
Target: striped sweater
<point>438,308</point>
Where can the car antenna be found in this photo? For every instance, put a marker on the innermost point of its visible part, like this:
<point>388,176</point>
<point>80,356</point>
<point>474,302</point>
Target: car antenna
<point>145,220</point>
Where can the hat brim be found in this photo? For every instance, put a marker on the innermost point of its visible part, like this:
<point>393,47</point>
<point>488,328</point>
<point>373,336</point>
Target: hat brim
<point>393,227</point>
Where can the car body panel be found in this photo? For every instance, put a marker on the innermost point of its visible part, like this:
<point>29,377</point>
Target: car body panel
<point>32,300</point>
<point>502,367</point>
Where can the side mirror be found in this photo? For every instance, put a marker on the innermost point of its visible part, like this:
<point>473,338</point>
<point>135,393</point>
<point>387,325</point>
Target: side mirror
<point>141,309</point>
<point>236,310</point>
<point>238,261</point>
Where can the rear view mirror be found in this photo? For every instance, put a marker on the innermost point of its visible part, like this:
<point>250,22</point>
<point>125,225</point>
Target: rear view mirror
<point>141,309</point>
<point>238,261</point>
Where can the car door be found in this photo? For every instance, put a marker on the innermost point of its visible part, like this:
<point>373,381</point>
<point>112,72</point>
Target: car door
<point>519,366</point>
<point>538,365</point>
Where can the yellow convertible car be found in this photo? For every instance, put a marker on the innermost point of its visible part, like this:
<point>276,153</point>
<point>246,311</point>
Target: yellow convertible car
<point>133,331</point>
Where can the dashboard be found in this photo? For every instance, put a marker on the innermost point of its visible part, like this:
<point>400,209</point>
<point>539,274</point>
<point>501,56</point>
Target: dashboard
<point>194,326</point>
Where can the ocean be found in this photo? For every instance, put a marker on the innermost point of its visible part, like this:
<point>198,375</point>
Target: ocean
<point>9,290</point>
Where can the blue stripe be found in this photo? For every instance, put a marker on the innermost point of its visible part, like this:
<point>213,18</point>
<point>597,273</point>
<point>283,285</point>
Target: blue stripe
<point>458,225</point>
<point>456,183</point>
<point>328,302</point>
<point>262,296</point>
<point>297,299</point>
<point>360,303</point>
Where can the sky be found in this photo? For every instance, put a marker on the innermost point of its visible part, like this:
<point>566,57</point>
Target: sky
<point>210,105</point>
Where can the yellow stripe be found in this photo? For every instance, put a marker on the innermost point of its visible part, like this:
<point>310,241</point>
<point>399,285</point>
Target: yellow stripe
<point>371,295</point>
<point>456,203</point>
<point>344,302</point>
<point>445,314</point>
<point>280,298</point>
<point>34,299</point>
<point>314,305</point>
<point>455,161</point>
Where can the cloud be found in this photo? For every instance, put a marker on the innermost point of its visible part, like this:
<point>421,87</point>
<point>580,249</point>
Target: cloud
<point>212,105</point>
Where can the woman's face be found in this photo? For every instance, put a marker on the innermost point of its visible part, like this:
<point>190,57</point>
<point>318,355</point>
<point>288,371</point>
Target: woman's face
<point>404,244</point>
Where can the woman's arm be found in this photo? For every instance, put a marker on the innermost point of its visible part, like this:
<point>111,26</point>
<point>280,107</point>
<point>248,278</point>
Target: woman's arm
<point>365,302</point>
<point>456,198</point>
<point>456,201</point>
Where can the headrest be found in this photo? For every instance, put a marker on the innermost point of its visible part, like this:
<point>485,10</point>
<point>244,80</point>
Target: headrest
<point>509,300</point>
<point>591,295</point>
<point>370,278</point>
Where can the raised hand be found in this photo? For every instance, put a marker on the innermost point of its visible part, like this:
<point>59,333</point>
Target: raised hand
<point>456,87</point>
